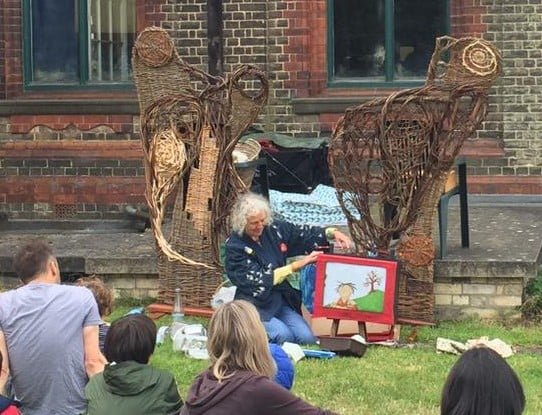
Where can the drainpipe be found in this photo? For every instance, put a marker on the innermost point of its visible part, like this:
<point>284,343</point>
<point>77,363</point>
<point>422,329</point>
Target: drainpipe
<point>215,50</point>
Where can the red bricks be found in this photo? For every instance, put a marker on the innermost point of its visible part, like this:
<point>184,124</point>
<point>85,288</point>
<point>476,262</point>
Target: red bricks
<point>466,17</point>
<point>524,185</point>
<point>96,149</point>
<point>72,189</point>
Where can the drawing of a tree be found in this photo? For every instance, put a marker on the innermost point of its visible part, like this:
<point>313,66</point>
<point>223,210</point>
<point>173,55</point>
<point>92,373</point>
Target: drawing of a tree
<point>372,280</point>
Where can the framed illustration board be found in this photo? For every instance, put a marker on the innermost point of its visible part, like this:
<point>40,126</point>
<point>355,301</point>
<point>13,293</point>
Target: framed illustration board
<point>355,288</point>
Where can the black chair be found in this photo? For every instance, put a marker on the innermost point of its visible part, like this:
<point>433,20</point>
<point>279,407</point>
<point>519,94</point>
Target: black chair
<point>461,190</point>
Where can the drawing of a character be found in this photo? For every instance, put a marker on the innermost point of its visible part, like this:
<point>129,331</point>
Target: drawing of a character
<point>346,291</point>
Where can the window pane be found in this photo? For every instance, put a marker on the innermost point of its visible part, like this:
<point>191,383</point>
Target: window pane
<point>54,41</point>
<point>112,28</point>
<point>359,39</point>
<point>417,24</point>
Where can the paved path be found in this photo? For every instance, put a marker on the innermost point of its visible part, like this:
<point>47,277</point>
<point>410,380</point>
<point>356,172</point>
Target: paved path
<point>503,236</point>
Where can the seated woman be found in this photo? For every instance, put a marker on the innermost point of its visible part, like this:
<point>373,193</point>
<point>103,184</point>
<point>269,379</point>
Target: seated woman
<point>239,379</point>
<point>482,383</point>
<point>256,255</point>
<point>128,384</point>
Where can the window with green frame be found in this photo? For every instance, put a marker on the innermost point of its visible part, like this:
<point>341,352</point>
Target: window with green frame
<point>382,42</point>
<point>78,43</point>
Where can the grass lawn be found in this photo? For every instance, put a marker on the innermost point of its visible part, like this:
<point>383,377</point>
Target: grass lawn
<point>404,380</point>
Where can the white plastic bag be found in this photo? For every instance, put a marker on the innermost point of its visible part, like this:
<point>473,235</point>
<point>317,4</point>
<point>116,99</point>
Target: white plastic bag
<point>191,340</point>
<point>222,296</point>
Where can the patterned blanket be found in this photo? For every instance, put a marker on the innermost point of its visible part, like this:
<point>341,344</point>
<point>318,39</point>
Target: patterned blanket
<point>319,208</point>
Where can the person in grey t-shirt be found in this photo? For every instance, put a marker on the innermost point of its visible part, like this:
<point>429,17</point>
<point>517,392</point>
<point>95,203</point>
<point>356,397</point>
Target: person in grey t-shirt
<point>48,336</point>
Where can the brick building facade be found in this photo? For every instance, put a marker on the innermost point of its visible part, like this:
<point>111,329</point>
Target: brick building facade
<point>76,152</point>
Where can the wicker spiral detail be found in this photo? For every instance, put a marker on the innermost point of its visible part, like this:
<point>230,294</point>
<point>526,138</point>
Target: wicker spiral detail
<point>417,250</point>
<point>169,153</point>
<point>155,48</point>
<point>480,59</point>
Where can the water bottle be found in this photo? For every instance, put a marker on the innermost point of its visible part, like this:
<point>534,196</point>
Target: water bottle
<point>177,313</point>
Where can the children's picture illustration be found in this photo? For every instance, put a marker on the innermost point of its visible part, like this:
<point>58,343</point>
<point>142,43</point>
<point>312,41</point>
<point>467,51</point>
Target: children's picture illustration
<point>354,287</point>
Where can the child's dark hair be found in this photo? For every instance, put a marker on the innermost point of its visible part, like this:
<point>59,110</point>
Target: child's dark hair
<point>102,294</point>
<point>482,383</point>
<point>131,337</point>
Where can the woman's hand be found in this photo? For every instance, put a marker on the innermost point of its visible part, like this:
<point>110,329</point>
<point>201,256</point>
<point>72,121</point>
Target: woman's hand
<point>341,240</point>
<point>307,259</point>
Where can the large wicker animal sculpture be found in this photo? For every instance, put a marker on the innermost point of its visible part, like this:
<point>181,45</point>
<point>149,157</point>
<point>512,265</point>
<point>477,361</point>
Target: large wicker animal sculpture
<point>190,124</point>
<point>390,159</point>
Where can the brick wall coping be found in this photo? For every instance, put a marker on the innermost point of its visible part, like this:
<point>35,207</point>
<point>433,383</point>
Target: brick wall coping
<point>118,149</point>
<point>69,106</point>
<point>333,104</point>
<point>319,105</point>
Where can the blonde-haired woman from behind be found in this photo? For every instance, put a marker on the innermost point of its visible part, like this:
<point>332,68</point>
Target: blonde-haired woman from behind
<point>239,380</point>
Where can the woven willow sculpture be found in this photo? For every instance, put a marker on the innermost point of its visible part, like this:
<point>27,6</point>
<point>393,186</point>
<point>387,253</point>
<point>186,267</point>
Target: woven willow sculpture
<point>390,159</point>
<point>190,124</point>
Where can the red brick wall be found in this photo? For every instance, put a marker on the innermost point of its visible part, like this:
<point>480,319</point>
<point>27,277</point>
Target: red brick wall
<point>150,13</point>
<point>466,17</point>
<point>2,61</point>
<point>306,48</point>
<point>88,179</point>
<point>58,164</point>
<point>89,162</point>
<point>12,51</point>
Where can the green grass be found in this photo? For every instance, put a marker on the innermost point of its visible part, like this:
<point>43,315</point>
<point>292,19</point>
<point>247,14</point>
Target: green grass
<point>404,380</point>
<point>373,301</point>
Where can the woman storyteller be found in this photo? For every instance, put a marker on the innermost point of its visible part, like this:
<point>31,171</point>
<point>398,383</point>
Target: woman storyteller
<point>256,255</point>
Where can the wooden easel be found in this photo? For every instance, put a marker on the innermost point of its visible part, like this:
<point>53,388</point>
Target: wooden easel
<point>362,330</point>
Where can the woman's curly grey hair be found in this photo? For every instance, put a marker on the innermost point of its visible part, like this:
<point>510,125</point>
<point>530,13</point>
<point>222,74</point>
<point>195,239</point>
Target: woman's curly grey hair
<point>248,204</point>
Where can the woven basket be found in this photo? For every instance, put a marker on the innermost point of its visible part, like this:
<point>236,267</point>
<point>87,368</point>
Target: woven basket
<point>251,150</point>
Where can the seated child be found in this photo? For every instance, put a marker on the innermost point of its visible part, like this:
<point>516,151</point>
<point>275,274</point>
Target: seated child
<point>104,299</point>
<point>285,368</point>
<point>128,384</point>
<point>7,406</point>
<point>482,383</point>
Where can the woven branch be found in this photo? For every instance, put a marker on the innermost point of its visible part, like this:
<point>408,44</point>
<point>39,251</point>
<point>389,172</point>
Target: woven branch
<point>390,157</point>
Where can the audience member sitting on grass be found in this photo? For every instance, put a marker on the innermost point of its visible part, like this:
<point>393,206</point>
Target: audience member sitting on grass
<point>239,379</point>
<point>482,383</point>
<point>104,299</point>
<point>7,406</point>
<point>51,332</point>
<point>128,384</point>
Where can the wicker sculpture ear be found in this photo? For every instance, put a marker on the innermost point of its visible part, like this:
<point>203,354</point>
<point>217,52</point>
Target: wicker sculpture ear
<point>171,128</point>
<point>246,104</point>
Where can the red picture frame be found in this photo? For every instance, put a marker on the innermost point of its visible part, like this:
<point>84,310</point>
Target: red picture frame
<point>355,288</point>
